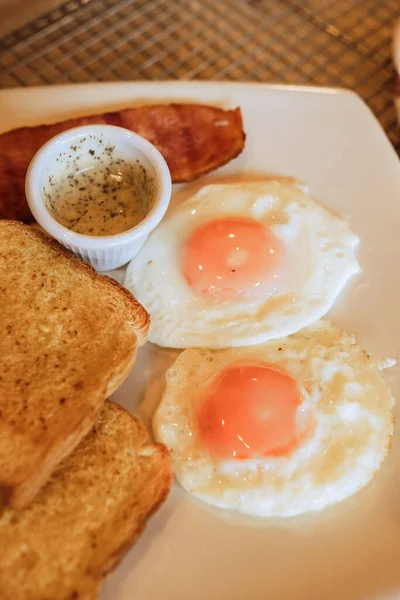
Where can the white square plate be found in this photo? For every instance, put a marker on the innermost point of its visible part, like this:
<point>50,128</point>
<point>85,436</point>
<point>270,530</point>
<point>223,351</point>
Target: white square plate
<point>329,139</point>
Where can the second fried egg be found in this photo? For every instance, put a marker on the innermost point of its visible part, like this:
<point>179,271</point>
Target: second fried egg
<point>279,429</point>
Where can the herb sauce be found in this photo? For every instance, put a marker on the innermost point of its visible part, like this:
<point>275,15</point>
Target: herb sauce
<point>98,193</point>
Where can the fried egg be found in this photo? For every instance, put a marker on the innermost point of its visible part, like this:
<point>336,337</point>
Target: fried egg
<point>276,430</point>
<point>240,264</point>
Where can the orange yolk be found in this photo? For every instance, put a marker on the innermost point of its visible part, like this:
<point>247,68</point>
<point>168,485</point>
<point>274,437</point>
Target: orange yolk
<point>249,410</point>
<point>230,257</point>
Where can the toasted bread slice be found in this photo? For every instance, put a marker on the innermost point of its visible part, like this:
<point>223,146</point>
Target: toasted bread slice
<point>90,512</point>
<point>68,338</point>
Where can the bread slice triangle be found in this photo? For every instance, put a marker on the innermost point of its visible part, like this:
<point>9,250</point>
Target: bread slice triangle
<point>89,513</point>
<point>68,338</point>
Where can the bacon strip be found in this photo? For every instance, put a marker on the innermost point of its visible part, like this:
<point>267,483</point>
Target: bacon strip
<point>194,139</point>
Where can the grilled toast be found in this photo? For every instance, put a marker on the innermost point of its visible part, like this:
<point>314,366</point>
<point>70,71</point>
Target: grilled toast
<point>92,509</point>
<point>68,338</point>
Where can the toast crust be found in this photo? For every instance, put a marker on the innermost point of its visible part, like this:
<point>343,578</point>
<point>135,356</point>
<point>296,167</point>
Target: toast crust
<point>69,337</point>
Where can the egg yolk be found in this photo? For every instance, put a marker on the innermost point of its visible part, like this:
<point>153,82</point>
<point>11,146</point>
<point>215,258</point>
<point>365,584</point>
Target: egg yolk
<point>231,257</point>
<point>249,410</point>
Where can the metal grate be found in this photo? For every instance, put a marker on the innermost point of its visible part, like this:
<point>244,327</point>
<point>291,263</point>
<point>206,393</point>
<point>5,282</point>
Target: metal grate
<point>325,42</point>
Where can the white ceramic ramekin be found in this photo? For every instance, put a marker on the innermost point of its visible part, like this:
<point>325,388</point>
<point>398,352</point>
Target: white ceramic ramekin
<point>103,252</point>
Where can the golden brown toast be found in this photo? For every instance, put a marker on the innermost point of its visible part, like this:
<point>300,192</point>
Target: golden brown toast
<point>68,338</point>
<point>90,512</point>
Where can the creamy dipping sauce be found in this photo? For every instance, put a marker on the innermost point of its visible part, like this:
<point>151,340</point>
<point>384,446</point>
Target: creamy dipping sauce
<point>98,193</point>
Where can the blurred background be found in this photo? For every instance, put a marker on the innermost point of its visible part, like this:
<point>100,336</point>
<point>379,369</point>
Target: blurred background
<point>343,43</point>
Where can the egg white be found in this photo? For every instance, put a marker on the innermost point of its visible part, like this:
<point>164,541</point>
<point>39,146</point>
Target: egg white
<point>320,258</point>
<point>351,408</point>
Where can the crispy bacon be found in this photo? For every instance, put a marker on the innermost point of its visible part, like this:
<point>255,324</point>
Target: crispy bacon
<point>194,139</point>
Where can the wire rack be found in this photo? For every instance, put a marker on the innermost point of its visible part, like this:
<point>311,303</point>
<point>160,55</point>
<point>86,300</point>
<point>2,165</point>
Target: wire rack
<point>324,42</point>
